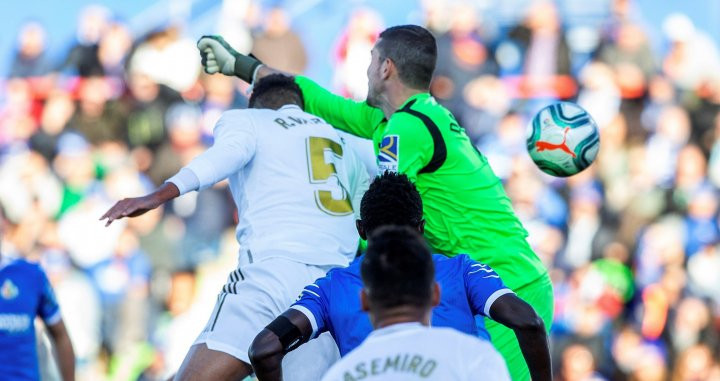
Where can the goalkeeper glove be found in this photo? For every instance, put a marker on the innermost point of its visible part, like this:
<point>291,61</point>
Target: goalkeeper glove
<point>218,56</point>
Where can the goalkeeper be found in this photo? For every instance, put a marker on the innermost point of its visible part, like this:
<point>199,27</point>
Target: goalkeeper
<point>466,208</point>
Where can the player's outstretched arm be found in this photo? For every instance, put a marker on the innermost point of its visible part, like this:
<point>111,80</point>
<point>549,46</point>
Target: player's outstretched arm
<point>529,328</point>
<point>63,349</point>
<point>133,207</point>
<point>282,335</point>
<point>357,118</point>
<point>233,147</point>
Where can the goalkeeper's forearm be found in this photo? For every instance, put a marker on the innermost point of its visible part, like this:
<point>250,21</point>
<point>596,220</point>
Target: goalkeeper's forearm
<point>261,72</point>
<point>250,69</point>
<point>250,72</point>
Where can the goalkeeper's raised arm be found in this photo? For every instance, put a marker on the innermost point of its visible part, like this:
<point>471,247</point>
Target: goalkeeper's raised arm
<point>357,118</point>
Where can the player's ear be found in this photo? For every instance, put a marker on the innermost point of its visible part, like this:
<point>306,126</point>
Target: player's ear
<point>364,302</point>
<point>360,230</point>
<point>421,227</point>
<point>387,67</point>
<point>435,294</point>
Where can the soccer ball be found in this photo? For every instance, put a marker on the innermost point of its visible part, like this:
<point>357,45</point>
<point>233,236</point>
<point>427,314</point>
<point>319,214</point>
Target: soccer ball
<point>563,139</point>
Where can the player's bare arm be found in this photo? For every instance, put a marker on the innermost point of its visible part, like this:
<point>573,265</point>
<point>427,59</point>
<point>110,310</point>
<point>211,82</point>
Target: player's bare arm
<point>281,336</point>
<point>63,350</point>
<point>136,206</point>
<point>529,328</point>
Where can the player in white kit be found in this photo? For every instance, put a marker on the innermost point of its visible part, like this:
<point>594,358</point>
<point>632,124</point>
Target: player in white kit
<point>294,184</point>
<point>399,291</point>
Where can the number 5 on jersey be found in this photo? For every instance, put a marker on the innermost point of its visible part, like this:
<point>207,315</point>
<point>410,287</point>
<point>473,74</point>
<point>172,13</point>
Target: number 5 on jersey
<point>320,172</point>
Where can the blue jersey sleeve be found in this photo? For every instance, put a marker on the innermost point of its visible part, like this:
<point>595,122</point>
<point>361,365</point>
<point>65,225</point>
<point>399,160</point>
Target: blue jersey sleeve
<point>313,302</point>
<point>483,286</point>
<point>48,308</point>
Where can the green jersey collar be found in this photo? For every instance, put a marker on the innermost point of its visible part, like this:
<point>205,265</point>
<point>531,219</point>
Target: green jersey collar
<point>416,97</point>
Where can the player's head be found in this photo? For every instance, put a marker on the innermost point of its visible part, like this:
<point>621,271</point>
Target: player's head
<point>391,199</point>
<point>404,52</point>
<point>275,91</point>
<point>398,276</point>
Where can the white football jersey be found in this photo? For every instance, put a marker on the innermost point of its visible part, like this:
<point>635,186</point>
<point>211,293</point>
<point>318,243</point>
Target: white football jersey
<point>293,180</point>
<point>410,351</point>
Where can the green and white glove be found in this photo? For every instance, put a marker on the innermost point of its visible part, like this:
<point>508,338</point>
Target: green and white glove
<point>218,56</point>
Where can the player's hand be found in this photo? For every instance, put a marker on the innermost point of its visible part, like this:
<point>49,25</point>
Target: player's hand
<point>130,207</point>
<point>217,56</point>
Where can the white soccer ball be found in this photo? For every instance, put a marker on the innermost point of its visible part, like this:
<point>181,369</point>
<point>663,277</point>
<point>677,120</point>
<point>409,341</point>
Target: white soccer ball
<point>563,139</point>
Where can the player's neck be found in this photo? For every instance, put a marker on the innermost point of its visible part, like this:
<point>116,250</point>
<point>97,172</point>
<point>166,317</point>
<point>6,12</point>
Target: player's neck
<point>395,96</point>
<point>398,315</point>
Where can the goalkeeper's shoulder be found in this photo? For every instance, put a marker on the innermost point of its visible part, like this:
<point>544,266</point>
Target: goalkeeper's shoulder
<point>310,87</point>
<point>355,117</point>
<point>312,91</point>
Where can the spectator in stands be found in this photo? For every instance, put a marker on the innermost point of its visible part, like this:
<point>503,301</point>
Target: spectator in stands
<point>463,55</point>
<point>83,58</point>
<point>693,58</point>
<point>352,52</point>
<point>236,20</point>
<point>278,45</point>
<point>630,53</point>
<point>113,48</point>
<point>168,58</point>
<point>221,93</point>
<point>98,117</point>
<point>183,123</point>
<point>696,363</point>
<point>176,328</point>
<point>30,59</point>
<point>705,113</point>
<point>16,114</point>
<point>599,93</point>
<point>79,299</point>
<point>544,50</point>
<point>123,283</point>
<point>701,278</point>
<point>147,104</point>
<point>578,363</point>
<point>56,114</point>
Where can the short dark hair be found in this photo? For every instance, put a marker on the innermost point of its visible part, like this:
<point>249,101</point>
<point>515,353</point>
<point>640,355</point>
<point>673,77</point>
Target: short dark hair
<point>391,199</point>
<point>398,269</point>
<point>413,50</point>
<point>275,91</point>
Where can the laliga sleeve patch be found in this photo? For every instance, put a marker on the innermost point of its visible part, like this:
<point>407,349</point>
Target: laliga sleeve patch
<point>389,154</point>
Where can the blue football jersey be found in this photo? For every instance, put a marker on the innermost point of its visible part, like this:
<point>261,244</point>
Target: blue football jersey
<point>467,288</point>
<point>24,294</point>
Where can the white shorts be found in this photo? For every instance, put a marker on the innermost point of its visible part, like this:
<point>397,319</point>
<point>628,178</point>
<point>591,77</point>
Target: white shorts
<point>255,294</point>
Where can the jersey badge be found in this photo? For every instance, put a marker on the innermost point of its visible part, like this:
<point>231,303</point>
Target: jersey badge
<point>9,290</point>
<point>389,153</point>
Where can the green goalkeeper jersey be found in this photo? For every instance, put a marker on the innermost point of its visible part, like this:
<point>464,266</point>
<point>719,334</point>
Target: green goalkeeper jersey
<point>465,206</point>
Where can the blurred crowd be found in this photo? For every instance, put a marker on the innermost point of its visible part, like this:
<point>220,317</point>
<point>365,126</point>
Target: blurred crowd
<point>632,243</point>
